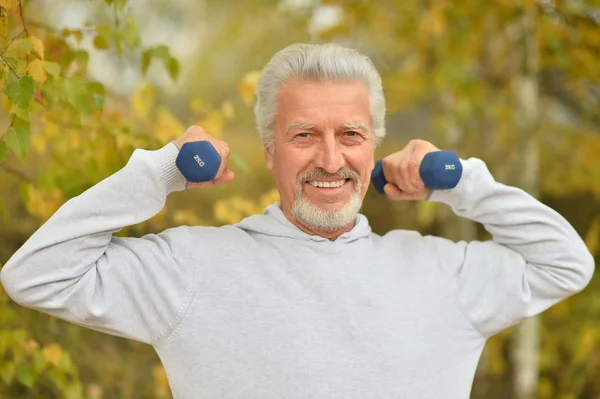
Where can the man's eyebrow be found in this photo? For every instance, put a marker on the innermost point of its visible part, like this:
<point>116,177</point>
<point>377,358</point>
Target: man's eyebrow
<point>353,125</point>
<point>300,125</point>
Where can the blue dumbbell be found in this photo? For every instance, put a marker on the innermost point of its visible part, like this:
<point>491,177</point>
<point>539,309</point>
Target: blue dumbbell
<point>439,170</point>
<point>198,161</point>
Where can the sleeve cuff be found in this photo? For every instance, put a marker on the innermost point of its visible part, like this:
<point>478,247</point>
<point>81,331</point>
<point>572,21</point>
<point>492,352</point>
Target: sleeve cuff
<point>163,161</point>
<point>454,196</point>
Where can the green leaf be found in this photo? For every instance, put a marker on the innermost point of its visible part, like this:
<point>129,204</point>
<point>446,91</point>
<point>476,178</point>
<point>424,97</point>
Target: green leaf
<point>118,45</point>
<point>120,4</point>
<point>22,113</point>
<point>14,64</point>
<point>52,68</point>
<point>130,33</point>
<point>38,361</point>
<point>73,88</point>
<point>98,101</point>
<point>21,123</point>
<point>240,163</point>
<point>18,140</point>
<point>26,375</point>
<point>3,76</point>
<point>101,42</point>
<point>24,192</point>
<point>21,45</point>
<point>103,34</point>
<point>161,52</point>
<point>98,91</point>
<point>146,58</point>
<point>82,57</point>
<point>8,372</point>
<point>66,363</point>
<point>3,151</point>
<point>173,67</point>
<point>20,92</point>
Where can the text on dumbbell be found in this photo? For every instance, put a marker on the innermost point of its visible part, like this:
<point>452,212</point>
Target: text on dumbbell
<point>199,160</point>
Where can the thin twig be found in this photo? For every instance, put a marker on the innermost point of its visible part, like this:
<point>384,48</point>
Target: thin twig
<point>11,40</point>
<point>23,19</point>
<point>12,120</point>
<point>13,71</point>
<point>16,172</point>
<point>54,30</point>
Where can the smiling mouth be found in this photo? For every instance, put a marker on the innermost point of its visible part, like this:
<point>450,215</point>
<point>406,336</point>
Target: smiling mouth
<point>327,184</point>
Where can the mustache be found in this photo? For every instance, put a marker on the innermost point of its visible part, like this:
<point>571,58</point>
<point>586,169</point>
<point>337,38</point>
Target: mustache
<point>319,173</point>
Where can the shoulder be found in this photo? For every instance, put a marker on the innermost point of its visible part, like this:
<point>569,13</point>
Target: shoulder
<point>414,242</point>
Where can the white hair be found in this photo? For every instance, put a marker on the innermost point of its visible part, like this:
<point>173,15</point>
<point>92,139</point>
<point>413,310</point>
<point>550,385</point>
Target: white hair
<point>328,62</point>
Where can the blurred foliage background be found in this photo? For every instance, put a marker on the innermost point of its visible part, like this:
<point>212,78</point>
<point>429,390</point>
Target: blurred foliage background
<point>513,82</point>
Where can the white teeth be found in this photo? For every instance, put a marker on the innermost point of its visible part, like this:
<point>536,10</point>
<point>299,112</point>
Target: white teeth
<point>327,184</point>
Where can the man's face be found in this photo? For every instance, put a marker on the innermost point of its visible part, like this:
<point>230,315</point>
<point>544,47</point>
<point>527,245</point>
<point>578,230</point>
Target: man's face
<point>323,151</point>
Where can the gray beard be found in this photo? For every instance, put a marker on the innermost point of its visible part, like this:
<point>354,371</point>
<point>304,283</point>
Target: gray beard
<point>327,220</point>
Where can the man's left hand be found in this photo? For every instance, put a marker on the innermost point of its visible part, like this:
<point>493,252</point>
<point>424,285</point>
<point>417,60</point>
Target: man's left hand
<point>401,170</point>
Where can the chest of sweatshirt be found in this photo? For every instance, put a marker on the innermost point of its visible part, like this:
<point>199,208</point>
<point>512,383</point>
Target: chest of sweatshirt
<point>392,287</point>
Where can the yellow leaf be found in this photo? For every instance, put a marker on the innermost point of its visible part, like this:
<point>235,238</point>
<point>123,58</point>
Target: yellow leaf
<point>197,106</point>
<point>213,124</point>
<point>167,127</point>
<point>267,199</point>
<point>36,70</point>
<point>247,86</point>
<point>185,217</point>
<point>143,101</point>
<point>31,346</point>
<point>51,129</point>
<point>426,212</point>
<point>544,389</point>
<point>52,353</point>
<point>38,142</point>
<point>9,4</point>
<point>42,205</point>
<point>76,140</point>
<point>78,36</point>
<point>592,237</point>
<point>227,110</point>
<point>159,376</point>
<point>3,27</point>
<point>38,46</point>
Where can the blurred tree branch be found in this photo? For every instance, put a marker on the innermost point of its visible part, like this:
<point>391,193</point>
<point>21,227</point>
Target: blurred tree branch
<point>16,172</point>
<point>22,18</point>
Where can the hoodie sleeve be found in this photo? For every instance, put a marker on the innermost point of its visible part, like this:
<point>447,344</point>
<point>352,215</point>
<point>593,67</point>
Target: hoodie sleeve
<point>73,267</point>
<point>534,260</point>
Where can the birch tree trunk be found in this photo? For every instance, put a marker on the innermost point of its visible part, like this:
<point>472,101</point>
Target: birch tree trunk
<point>455,228</point>
<point>526,340</point>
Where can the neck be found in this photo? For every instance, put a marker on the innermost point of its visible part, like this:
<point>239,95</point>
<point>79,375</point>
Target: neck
<point>330,235</point>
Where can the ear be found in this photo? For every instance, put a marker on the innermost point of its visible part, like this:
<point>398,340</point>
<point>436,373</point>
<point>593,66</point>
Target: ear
<point>269,157</point>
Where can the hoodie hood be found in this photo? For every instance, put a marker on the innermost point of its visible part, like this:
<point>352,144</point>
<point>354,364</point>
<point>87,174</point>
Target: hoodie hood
<point>273,222</point>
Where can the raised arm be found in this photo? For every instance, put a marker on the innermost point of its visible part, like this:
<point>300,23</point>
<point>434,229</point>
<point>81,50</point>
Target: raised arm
<point>73,267</point>
<point>534,260</point>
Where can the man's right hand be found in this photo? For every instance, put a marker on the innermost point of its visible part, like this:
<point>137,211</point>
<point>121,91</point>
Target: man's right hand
<point>224,175</point>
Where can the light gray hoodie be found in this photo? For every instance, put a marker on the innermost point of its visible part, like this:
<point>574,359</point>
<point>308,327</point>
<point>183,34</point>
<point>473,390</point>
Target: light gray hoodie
<point>263,310</point>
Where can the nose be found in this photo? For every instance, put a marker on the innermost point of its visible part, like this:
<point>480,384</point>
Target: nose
<point>331,157</point>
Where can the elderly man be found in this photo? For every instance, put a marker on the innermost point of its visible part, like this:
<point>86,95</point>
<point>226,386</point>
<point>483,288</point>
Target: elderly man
<point>304,301</point>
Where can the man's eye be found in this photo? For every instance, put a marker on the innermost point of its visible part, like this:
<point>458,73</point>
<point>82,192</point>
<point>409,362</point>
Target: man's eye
<point>304,134</point>
<point>352,133</point>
